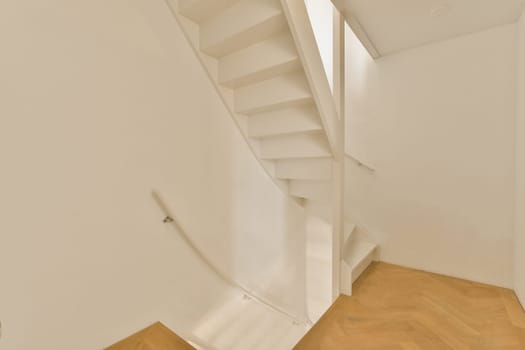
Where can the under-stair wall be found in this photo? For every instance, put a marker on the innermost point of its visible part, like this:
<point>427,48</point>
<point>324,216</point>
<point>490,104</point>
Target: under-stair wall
<point>102,102</point>
<point>437,125</point>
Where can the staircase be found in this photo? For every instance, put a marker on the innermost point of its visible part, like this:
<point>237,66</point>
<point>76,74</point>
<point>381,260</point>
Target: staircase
<point>262,58</point>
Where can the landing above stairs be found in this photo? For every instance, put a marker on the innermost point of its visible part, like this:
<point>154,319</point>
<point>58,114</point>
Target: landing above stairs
<point>155,337</point>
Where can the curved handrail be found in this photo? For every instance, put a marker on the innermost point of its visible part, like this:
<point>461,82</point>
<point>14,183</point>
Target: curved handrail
<point>170,219</point>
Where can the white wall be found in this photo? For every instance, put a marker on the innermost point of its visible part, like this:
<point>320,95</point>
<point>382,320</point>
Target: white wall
<point>519,245</point>
<point>437,123</point>
<point>101,102</point>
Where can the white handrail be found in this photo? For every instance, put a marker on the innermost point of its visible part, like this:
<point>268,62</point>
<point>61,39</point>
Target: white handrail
<point>360,163</point>
<point>170,219</point>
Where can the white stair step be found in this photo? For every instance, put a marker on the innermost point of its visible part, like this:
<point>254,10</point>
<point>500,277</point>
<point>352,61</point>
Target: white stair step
<point>285,121</point>
<point>304,169</point>
<point>241,25</point>
<point>279,92</point>
<point>313,190</point>
<point>358,256</point>
<point>261,61</point>
<point>348,232</point>
<point>201,10</point>
<point>295,146</point>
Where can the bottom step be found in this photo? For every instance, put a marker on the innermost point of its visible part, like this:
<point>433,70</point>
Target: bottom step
<point>361,256</point>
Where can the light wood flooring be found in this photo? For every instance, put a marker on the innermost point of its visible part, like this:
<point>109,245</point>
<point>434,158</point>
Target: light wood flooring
<point>395,308</point>
<point>155,337</point>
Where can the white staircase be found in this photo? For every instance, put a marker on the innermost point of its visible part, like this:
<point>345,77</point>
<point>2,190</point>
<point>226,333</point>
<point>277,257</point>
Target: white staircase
<point>263,60</point>
<point>260,56</point>
<point>358,254</point>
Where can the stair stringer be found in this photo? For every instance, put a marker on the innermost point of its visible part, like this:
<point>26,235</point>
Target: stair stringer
<point>306,45</point>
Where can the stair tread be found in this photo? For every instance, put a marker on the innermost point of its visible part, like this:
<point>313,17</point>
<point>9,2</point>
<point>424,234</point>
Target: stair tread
<point>284,91</point>
<point>294,146</point>
<point>261,61</point>
<point>241,25</point>
<point>358,252</point>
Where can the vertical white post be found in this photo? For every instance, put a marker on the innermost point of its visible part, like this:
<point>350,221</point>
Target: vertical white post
<point>339,283</point>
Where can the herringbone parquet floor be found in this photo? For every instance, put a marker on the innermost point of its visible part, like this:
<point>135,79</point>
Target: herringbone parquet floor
<point>395,308</point>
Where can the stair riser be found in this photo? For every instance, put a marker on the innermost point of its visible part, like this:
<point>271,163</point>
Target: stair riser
<point>242,25</point>
<point>314,169</point>
<point>270,95</point>
<point>312,190</point>
<point>262,61</point>
<point>264,125</point>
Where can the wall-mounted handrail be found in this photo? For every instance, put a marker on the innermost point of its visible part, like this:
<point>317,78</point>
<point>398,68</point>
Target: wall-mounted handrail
<point>169,218</point>
<point>360,163</point>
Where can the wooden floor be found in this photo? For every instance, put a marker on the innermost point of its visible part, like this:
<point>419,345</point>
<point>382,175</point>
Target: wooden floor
<point>395,308</point>
<point>155,337</point>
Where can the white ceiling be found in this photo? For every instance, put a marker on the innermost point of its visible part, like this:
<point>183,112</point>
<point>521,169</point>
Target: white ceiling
<point>394,25</point>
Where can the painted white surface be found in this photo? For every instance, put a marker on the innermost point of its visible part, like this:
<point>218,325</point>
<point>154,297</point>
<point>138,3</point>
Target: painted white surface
<point>240,323</point>
<point>437,123</point>
<point>395,25</point>
<point>240,25</point>
<point>519,244</point>
<point>308,132</point>
<point>254,63</point>
<point>101,102</point>
<point>319,259</point>
<point>321,13</point>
